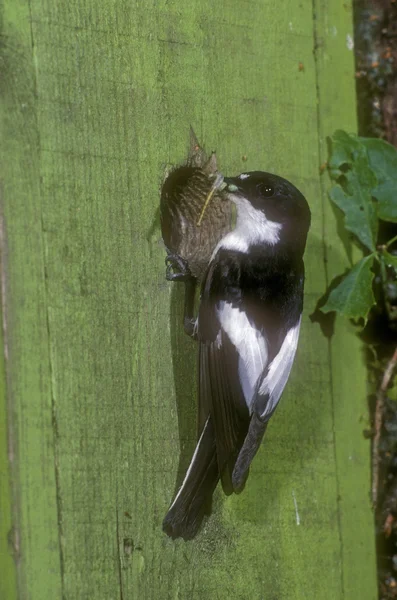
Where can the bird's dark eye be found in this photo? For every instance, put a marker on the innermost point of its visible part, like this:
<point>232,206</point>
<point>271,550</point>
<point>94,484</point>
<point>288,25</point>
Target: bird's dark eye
<point>266,190</point>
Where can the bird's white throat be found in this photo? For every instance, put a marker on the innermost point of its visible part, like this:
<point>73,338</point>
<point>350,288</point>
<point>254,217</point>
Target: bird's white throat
<point>252,227</point>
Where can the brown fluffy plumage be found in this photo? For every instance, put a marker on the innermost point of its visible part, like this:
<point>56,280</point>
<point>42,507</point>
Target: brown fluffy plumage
<point>183,195</point>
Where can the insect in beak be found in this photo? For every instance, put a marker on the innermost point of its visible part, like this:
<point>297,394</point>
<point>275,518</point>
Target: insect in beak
<point>230,185</point>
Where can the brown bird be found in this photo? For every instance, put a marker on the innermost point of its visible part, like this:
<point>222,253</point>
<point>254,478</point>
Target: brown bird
<point>194,218</point>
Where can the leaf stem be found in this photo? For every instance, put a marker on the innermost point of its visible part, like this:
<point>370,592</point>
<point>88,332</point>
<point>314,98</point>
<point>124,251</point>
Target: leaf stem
<point>390,242</point>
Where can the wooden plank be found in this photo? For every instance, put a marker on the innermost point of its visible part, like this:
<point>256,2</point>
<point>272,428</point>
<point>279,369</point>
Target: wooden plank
<point>8,580</point>
<point>33,539</point>
<point>106,422</point>
<point>337,110</point>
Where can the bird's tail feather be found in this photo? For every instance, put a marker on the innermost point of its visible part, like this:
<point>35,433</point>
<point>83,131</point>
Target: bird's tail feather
<point>186,513</point>
<point>253,439</point>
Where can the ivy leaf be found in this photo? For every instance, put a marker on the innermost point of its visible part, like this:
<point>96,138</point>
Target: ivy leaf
<point>340,148</point>
<point>349,166</point>
<point>354,297</point>
<point>359,210</point>
<point>390,259</point>
<point>347,151</point>
<point>383,160</point>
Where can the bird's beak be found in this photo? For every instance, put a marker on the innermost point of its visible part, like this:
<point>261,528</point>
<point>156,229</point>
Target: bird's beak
<point>232,184</point>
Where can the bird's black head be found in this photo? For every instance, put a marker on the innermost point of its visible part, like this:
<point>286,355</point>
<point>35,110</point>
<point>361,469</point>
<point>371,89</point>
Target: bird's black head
<point>273,197</point>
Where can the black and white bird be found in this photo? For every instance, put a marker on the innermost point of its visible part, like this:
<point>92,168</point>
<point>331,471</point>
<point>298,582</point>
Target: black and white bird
<point>248,329</point>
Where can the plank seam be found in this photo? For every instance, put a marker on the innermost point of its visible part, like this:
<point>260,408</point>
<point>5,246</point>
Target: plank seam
<point>118,552</point>
<point>46,295</point>
<point>13,536</point>
<point>316,46</point>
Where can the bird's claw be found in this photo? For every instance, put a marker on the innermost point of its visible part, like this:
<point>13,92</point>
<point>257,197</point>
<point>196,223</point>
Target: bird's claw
<point>176,268</point>
<point>190,327</point>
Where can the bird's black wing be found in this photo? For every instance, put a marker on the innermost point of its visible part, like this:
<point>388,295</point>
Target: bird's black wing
<point>248,337</point>
<point>221,392</point>
<point>220,395</point>
<point>271,383</point>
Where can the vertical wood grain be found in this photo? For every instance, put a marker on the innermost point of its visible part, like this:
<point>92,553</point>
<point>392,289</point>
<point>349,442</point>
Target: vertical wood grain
<point>102,378</point>
<point>33,539</point>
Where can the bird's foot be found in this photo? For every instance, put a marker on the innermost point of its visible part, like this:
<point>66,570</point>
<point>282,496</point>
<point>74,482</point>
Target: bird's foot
<point>190,327</point>
<point>177,268</point>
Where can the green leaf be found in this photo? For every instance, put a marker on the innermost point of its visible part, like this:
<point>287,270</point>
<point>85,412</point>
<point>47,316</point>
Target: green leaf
<point>349,166</point>
<point>339,149</point>
<point>354,297</point>
<point>359,210</point>
<point>390,259</point>
<point>347,150</point>
<point>383,160</point>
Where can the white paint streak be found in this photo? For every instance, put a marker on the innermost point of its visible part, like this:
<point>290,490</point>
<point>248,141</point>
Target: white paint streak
<point>349,42</point>
<point>290,26</point>
<point>250,345</point>
<point>298,520</point>
<point>334,31</point>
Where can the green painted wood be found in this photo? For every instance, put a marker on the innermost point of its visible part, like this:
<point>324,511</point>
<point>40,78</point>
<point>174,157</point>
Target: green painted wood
<point>8,581</point>
<point>100,376</point>
<point>34,537</point>
<point>334,54</point>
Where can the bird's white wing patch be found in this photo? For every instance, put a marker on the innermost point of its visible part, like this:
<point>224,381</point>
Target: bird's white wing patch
<point>277,376</point>
<point>250,344</point>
